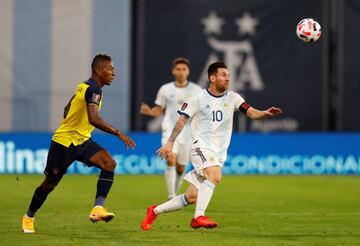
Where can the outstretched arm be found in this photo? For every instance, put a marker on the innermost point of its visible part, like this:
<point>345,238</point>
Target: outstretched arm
<point>165,150</point>
<point>147,110</point>
<point>256,114</point>
<point>97,121</point>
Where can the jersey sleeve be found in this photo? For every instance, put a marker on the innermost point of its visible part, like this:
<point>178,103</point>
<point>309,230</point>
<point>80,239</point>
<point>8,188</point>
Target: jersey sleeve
<point>238,100</point>
<point>190,107</point>
<point>239,103</point>
<point>161,98</point>
<point>93,95</point>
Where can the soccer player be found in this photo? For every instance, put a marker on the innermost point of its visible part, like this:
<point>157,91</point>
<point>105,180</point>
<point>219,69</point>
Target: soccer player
<point>169,98</point>
<point>72,141</point>
<point>211,115</point>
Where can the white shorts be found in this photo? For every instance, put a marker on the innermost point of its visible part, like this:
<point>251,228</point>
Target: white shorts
<point>181,151</point>
<point>201,159</point>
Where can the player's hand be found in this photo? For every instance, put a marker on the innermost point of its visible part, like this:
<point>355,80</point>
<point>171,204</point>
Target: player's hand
<point>271,112</point>
<point>165,151</point>
<point>127,141</point>
<point>145,109</point>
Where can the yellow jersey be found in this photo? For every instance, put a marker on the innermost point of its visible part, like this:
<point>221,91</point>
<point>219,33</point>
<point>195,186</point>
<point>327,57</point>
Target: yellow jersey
<point>75,127</point>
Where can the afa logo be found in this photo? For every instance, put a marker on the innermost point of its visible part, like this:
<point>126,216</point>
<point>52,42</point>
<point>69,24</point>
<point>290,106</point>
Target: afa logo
<point>238,55</point>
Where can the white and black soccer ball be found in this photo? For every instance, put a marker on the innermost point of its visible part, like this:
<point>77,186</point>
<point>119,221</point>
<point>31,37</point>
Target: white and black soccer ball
<point>308,30</point>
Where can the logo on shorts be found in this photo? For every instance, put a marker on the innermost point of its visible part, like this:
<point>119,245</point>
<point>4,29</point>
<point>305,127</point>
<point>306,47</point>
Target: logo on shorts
<point>96,98</point>
<point>183,107</point>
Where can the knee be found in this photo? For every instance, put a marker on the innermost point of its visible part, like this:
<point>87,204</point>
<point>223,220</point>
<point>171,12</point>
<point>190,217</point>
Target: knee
<point>217,179</point>
<point>180,169</point>
<point>109,165</point>
<point>214,178</point>
<point>213,174</point>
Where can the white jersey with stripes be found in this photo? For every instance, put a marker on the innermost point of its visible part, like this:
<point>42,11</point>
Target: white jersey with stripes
<point>211,120</point>
<point>170,97</point>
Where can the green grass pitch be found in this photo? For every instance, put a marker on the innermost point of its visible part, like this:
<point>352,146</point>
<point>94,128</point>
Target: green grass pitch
<point>251,210</point>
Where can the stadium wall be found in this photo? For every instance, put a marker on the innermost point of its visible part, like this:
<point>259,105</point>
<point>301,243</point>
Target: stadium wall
<point>306,153</point>
<point>268,64</point>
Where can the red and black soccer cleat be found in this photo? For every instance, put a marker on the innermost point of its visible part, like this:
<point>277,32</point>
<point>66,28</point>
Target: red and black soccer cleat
<point>203,221</point>
<point>149,219</point>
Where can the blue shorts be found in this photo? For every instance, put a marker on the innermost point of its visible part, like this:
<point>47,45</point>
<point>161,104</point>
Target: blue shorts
<point>61,157</point>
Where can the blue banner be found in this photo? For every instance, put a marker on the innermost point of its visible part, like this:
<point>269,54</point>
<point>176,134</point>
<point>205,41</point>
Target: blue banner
<point>305,153</point>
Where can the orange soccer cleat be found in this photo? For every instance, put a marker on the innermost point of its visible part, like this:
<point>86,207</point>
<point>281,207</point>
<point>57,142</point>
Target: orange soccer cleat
<point>149,219</point>
<point>203,221</point>
<point>99,213</point>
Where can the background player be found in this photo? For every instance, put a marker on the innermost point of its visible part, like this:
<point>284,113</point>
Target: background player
<point>211,113</point>
<point>169,98</point>
<point>72,141</point>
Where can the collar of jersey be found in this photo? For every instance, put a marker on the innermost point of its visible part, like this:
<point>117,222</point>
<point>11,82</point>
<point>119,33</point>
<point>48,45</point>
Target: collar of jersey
<point>91,81</point>
<point>187,84</point>
<point>213,94</point>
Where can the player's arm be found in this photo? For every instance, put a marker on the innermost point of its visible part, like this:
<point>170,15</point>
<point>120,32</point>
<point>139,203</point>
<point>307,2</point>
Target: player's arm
<point>155,111</point>
<point>165,150</point>
<point>256,114</point>
<point>179,126</point>
<point>97,121</point>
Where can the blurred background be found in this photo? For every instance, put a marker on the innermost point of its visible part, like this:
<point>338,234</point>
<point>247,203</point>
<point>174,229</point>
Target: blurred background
<point>46,47</point>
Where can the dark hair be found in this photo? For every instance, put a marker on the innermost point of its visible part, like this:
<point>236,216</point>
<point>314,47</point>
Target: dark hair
<point>213,67</point>
<point>99,58</point>
<point>180,60</point>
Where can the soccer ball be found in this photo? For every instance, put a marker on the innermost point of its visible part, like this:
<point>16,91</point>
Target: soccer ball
<point>308,30</point>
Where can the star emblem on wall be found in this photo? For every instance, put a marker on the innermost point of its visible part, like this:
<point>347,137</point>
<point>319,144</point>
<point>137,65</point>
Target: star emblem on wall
<point>213,23</point>
<point>247,24</point>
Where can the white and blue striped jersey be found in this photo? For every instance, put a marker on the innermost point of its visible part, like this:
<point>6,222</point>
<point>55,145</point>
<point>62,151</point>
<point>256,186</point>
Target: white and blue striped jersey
<point>170,97</point>
<point>211,120</point>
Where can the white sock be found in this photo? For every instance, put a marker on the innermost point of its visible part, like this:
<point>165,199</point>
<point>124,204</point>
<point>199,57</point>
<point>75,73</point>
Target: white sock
<point>179,181</point>
<point>204,196</point>
<point>174,204</point>
<point>170,177</point>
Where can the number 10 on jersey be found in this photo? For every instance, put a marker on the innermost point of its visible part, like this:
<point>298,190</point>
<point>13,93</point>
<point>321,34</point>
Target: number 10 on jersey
<point>217,115</point>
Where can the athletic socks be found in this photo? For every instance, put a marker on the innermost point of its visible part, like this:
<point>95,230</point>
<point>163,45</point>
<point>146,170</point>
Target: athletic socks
<point>37,201</point>
<point>170,177</point>
<point>174,204</point>
<point>204,196</point>
<point>99,201</point>
<point>104,184</point>
<point>179,181</point>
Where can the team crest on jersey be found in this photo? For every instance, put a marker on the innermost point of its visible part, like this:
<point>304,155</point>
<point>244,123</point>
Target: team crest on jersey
<point>225,105</point>
<point>183,107</point>
<point>96,98</point>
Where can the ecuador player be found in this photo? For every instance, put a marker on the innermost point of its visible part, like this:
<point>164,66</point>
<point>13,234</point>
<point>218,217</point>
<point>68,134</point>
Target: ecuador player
<point>72,141</point>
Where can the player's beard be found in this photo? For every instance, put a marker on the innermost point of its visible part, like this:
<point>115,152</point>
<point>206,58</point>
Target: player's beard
<point>221,88</point>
